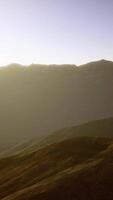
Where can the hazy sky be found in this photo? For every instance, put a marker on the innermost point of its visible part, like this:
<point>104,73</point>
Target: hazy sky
<point>55,31</point>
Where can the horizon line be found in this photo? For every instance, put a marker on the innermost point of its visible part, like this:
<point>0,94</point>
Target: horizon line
<point>53,64</point>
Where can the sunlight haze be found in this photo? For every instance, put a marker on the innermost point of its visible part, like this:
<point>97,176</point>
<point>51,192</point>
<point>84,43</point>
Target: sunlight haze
<point>47,32</point>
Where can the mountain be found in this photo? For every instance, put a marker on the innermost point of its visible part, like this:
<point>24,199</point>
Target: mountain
<point>97,128</point>
<point>78,168</point>
<point>38,99</point>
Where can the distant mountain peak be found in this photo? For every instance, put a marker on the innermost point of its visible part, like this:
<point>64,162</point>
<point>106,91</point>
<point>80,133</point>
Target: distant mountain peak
<point>98,63</point>
<point>105,61</point>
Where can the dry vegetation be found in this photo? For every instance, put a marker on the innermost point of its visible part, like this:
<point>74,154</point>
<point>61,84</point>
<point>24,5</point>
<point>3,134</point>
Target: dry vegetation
<point>77,168</point>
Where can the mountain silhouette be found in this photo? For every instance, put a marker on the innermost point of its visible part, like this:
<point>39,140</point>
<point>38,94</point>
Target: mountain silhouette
<point>37,100</point>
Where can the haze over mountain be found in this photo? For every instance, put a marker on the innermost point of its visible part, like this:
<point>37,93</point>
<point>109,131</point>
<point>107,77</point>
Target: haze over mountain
<point>98,128</point>
<point>40,99</point>
<point>56,132</point>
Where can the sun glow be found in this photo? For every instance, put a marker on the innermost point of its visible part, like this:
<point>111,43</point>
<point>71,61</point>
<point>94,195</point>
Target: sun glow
<point>41,32</point>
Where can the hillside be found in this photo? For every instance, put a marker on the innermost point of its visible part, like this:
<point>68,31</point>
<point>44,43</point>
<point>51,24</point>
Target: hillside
<point>40,99</point>
<point>78,168</point>
<point>97,128</point>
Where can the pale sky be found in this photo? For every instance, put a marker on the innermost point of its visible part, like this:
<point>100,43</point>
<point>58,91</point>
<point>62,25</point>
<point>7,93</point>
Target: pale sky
<point>55,31</point>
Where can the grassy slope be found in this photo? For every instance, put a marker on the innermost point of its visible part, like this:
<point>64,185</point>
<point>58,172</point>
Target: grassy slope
<point>98,128</point>
<point>72,169</point>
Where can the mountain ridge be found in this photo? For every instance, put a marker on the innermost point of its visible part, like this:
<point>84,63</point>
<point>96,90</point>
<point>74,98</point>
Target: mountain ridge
<point>36,102</point>
<point>102,61</point>
<point>97,129</point>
